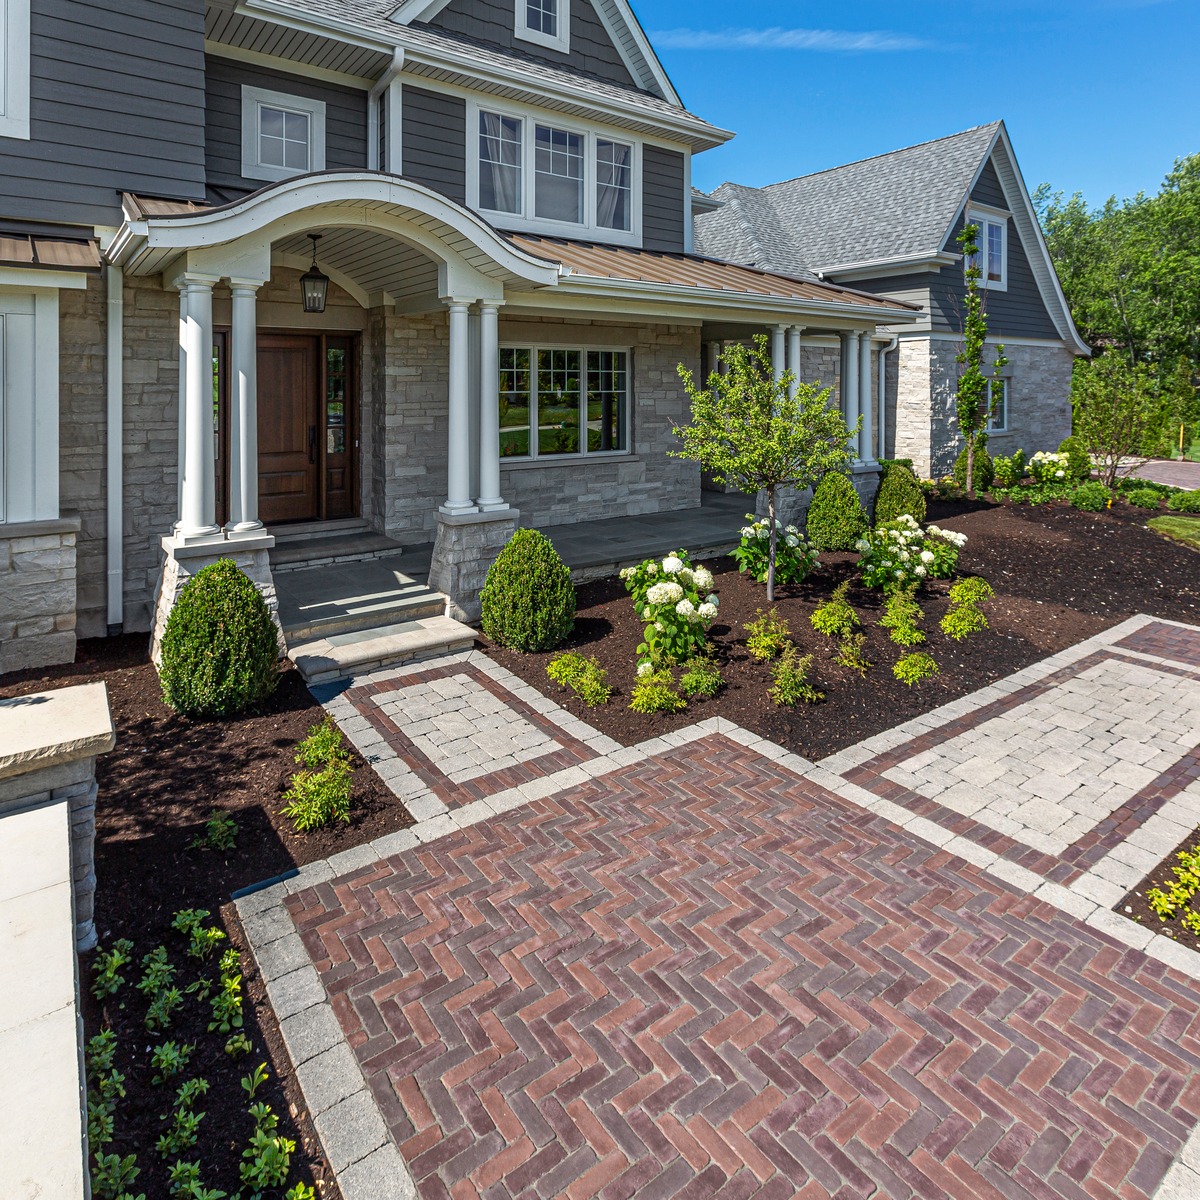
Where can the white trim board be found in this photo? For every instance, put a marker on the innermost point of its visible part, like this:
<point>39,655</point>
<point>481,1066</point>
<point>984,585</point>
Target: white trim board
<point>14,69</point>
<point>254,99</point>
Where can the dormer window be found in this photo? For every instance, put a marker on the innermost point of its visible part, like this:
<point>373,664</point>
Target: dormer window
<point>282,135</point>
<point>545,22</point>
<point>992,259</point>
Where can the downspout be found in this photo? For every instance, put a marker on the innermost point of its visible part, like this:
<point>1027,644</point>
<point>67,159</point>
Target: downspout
<point>114,279</point>
<point>881,423</point>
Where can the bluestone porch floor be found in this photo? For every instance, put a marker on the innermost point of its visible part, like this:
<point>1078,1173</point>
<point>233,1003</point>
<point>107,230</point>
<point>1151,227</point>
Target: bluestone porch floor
<point>705,967</point>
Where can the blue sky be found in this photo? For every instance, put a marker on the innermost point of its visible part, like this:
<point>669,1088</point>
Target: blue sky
<point>1100,96</point>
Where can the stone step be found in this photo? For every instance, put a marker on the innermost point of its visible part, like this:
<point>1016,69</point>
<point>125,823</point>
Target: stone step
<point>392,607</point>
<point>302,531</point>
<point>342,655</point>
<point>359,546</point>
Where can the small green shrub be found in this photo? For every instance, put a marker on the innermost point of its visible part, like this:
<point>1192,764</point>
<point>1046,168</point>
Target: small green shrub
<point>1091,497</point>
<point>528,602</point>
<point>1185,502</point>
<point>584,676</point>
<point>169,1059</point>
<point>220,650</point>
<point>317,798</point>
<point>985,470</point>
<point>899,492</point>
<point>701,677</point>
<point>902,616</point>
<point>836,617</point>
<point>790,676</point>
<point>220,833</point>
<point>654,692</point>
<point>767,635</point>
<point>1079,461</point>
<point>836,518</point>
<point>965,616</point>
<point>1176,898</point>
<point>202,939</point>
<point>913,668</point>
<point>1008,471</point>
<point>852,653</point>
<point>323,745</point>
<point>106,970</point>
<point>1144,498</point>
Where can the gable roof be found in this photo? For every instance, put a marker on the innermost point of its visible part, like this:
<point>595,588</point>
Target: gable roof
<point>884,212</point>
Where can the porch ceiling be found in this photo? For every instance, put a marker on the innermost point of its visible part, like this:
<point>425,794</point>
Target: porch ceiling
<point>373,261</point>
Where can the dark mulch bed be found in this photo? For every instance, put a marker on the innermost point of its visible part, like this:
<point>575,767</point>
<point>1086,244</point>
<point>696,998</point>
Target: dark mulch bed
<point>1137,907</point>
<point>157,788</point>
<point>1060,576</point>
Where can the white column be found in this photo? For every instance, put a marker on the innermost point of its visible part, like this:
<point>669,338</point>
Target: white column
<point>198,504</point>
<point>490,499</point>
<point>713,364</point>
<point>182,406</point>
<point>778,347</point>
<point>850,384</point>
<point>866,448</point>
<point>458,451</point>
<point>243,415</point>
<point>793,356</point>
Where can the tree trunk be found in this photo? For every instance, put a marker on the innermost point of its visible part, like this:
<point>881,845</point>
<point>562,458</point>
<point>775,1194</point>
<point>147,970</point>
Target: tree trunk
<point>971,467</point>
<point>771,546</point>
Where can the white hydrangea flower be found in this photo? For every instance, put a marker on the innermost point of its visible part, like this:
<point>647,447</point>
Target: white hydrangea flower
<point>762,531</point>
<point>708,611</point>
<point>920,572</point>
<point>862,545</point>
<point>792,540</point>
<point>792,529</point>
<point>703,579</point>
<point>652,568</point>
<point>685,608</point>
<point>666,592</point>
<point>686,577</point>
<point>905,556</point>
<point>747,531</point>
<point>645,669</point>
<point>627,573</point>
<point>660,627</point>
<point>927,556</point>
<point>672,565</point>
<point>1059,474</point>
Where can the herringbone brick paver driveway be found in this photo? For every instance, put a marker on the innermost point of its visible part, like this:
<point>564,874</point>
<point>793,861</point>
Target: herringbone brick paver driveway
<point>704,976</point>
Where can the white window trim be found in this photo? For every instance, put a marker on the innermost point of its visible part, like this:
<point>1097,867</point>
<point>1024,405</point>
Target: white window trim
<point>525,222</point>
<point>561,42</point>
<point>14,71</point>
<point>982,215</point>
<point>579,456</point>
<point>253,99</point>
<point>1007,381</point>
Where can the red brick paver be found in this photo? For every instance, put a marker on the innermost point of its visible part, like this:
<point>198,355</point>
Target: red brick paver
<point>711,978</point>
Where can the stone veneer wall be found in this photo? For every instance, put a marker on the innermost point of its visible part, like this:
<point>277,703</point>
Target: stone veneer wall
<point>37,594</point>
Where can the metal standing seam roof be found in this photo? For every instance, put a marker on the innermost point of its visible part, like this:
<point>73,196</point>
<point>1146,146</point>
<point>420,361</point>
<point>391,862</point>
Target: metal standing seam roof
<point>895,205</point>
<point>23,250</point>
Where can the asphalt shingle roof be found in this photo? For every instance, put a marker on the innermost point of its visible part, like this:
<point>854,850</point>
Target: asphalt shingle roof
<point>890,206</point>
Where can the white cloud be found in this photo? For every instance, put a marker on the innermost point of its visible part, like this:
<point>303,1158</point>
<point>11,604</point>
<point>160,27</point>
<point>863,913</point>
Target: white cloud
<point>829,40</point>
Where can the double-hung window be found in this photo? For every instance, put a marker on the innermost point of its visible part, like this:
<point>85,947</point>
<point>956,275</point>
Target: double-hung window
<point>997,402</point>
<point>992,259</point>
<point>545,23</point>
<point>557,401</point>
<point>282,135</point>
<point>543,177</point>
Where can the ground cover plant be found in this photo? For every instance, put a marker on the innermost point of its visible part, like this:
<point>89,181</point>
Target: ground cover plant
<point>319,793</point>
<point>583,675</point>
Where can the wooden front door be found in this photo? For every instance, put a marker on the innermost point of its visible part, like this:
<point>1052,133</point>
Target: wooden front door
<point>289,420</point>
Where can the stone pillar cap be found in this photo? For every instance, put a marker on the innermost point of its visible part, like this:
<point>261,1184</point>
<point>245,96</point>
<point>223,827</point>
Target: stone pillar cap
<point>47,729</point>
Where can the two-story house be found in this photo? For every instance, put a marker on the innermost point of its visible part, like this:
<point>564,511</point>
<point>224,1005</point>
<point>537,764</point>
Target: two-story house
<point>425,265</point>
<point>890,225</point>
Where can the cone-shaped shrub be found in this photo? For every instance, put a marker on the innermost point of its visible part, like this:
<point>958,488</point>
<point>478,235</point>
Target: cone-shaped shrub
<point>836,518</point>
<point>899,493</point>
<point>985,470</point>
<point>527,599</point>
<point>220,652</point>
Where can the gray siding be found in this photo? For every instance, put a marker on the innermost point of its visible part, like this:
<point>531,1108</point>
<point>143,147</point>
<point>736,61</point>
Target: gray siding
<point>434,142</point>
<point>662,199</point>
<point>116,104</point>
<point>1017,312</point>
<point>493,22</point>
<point>345,122</point>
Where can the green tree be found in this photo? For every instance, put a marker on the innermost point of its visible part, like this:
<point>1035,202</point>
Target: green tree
<point>1115,407</point>
<point>974,407</point>
<point>747,431</point>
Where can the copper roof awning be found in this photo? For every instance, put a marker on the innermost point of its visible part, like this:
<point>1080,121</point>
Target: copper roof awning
<point>138,207</point>
<point>690,270</point>
<point>60,254</point>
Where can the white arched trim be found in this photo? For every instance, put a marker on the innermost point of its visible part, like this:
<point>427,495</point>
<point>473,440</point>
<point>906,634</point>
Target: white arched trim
<point>301,262</point>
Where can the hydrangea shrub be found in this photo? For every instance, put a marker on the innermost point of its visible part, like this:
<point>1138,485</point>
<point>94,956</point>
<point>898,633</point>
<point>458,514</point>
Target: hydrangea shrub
<point>900,554</point>
<point>1048,467</point>
<point>794,557</point>
<point>677,603</point>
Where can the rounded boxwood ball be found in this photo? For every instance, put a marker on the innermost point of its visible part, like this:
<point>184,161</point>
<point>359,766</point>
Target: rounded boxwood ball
<point>836,517</point>
<point>528,600</point>
<point>220,650</point>
<point>899,493</point>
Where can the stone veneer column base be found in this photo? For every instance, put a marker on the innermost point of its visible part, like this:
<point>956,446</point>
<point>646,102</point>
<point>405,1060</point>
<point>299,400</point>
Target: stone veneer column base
<point>791,506</point>
<point>466,546</point>
<point>865,476</point>
<point>37,593</point>
<point>184,559</point>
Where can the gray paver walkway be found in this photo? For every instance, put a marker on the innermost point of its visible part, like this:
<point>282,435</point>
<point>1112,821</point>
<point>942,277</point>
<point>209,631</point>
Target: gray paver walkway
<point>1175,474</point>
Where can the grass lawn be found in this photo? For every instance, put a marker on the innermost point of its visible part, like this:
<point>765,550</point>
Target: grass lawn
<point>1178,529</point>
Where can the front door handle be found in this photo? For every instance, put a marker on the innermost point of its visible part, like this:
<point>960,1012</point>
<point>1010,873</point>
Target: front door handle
<point>312,443</point>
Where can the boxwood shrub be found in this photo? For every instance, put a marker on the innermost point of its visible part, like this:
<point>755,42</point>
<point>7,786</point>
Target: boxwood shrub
<point>836,517</point>
<point>899,493</point>
<point>985,469</point>
<point>528,601</point>
<point>220,650</point>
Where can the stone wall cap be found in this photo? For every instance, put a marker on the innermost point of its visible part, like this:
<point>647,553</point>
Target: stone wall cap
<point>480,518</point>
<point>217,546</point>
<point>47,729</point>
<point>71,523</point>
